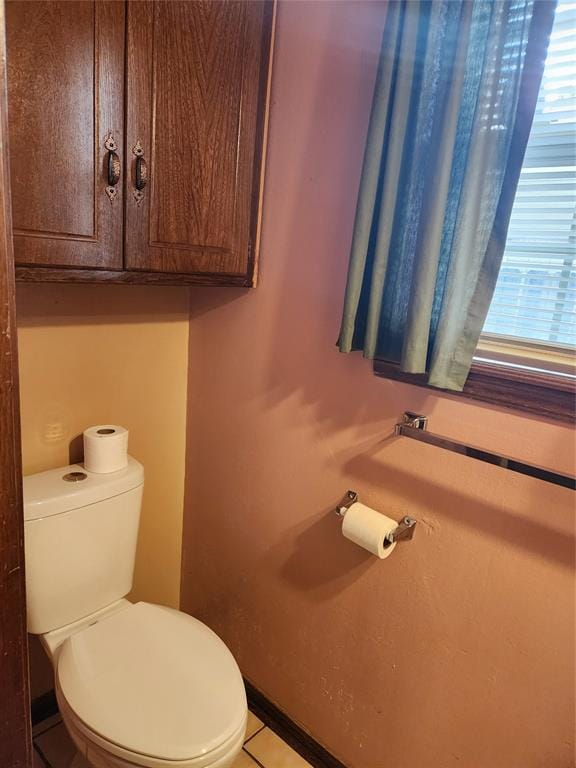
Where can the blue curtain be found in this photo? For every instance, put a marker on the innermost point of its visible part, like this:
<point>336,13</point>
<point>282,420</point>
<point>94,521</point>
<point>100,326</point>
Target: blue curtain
<point>454,100</point>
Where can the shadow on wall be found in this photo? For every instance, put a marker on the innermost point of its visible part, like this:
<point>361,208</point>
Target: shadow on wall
<point>320,578</point>
<point>76,449</point>
<point>294,315</point>
<point>311,232</point>
<point>47,304</point>
<point>317,562</point>
<point>281,424</point>
<point>487,516</point>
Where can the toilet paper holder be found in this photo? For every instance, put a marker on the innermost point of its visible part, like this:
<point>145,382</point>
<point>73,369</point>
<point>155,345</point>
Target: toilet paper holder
<point>403,532</point>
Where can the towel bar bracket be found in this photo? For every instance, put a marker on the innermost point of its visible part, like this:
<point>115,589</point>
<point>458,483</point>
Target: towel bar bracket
<point>410,419</point>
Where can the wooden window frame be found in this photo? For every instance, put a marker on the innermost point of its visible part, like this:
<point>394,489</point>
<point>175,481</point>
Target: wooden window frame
<point>527,391</point>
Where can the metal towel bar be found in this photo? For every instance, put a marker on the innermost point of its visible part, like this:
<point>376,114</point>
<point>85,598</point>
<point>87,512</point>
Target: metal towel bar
<point>414,426</point>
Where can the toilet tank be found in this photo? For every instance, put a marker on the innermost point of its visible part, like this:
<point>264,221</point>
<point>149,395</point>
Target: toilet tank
<point>80,532</point>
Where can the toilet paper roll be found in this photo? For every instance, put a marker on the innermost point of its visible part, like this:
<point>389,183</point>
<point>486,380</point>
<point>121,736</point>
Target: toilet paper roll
<point>369,528</point>
<point>105,448</point>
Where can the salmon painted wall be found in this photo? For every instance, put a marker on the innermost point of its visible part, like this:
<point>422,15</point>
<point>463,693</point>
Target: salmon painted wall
<point>458,649</point>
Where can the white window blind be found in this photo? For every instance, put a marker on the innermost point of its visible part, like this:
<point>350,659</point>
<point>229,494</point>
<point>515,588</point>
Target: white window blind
<point>535,296</point>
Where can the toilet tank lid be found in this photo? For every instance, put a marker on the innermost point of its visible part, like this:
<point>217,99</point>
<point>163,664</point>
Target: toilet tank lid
<point>49,493</point>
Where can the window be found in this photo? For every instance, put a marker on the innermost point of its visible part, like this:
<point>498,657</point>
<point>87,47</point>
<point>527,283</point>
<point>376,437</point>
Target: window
<point>532,318</point>
<point>525,359</point>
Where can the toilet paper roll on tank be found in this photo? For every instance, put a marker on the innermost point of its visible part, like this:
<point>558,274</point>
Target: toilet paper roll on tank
<point>105,448</point>
<point>369,529</point>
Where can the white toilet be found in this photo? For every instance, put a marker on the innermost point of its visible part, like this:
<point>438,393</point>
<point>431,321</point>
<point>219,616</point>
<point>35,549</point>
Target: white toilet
<point>137,684</point>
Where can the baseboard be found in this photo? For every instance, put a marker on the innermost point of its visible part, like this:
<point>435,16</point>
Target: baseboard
<point>46,706</point>
<point>292,734</point>
<point>43,707</point>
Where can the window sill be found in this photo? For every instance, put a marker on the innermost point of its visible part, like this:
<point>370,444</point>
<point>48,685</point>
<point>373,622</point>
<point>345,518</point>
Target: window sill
<point>533,392</point>
<point>538,356</point>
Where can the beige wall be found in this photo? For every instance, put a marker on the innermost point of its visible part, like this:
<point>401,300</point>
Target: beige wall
<point>95,354</point>
<point>457,650</point>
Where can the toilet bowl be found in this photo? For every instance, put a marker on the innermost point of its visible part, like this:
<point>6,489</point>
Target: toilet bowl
<point>137,684</point>
<point>145,685</point>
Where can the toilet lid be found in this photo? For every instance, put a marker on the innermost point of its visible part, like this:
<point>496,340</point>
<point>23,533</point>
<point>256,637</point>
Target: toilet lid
<point>154,681</point>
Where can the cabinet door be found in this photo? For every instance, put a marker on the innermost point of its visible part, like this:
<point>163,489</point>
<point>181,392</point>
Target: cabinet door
<point>65,97</point>
<point>196,72</point>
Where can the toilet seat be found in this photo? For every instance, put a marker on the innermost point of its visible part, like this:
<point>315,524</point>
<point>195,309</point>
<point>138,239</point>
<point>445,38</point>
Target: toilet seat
<point>103,754</point>
<point>153,686</point>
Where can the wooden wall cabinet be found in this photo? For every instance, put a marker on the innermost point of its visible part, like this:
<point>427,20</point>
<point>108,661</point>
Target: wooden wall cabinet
<point>136,138</point>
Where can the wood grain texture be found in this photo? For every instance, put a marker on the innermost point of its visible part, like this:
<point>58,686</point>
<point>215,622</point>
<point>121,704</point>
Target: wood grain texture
<point>66,93</point>
<point>261,140</point>
<point>15,732</point>
<point>193,101</point>
<point>125,277</point>
<point>532,393</point>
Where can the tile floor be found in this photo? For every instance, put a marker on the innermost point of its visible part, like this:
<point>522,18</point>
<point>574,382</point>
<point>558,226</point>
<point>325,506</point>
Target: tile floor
<point>262,748</point>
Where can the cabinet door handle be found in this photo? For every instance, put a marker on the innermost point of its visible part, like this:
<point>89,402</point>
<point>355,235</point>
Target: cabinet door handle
<point>113,169</point>
<point>141,173</point>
